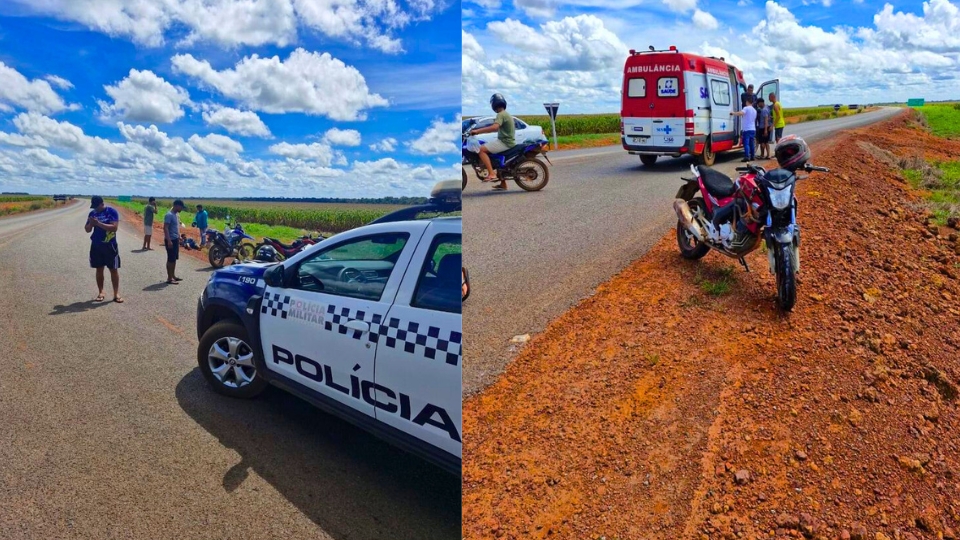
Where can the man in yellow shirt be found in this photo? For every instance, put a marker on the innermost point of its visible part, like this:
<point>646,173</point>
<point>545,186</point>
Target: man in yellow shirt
<point>779,122</point>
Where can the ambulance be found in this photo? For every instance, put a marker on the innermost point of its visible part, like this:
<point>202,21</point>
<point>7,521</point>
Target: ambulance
<point>676,104</point>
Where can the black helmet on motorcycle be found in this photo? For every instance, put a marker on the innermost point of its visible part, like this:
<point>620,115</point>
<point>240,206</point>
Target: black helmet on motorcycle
<point>266,254</point>
<point>792,153</point>
<point>497,101</point>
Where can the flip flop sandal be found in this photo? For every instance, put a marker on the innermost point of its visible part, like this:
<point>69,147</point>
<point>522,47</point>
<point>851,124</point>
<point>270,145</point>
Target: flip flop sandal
<point>178,279</point>
<point>118,300</point>
<point>499,188</point>
<point>99,298</point>
<point>171,282</point>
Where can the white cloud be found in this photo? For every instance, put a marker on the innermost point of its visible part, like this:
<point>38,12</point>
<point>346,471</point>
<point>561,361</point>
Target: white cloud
<point>320,153</point>
<point>704,20</point>
<point>236,121</point>
<point>153,139</point>
<point>142,96</point>
<point>16,91</point>
<point>306,82</point>
<point>59,82</point>
<point>342,137</point>
<point>231,23</point>
<point>386,145</point>
<point>439,138</point>
<point>216,145</point>
<point>682,6</point>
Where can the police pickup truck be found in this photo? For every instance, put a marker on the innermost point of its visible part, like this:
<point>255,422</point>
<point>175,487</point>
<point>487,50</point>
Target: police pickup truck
<point>365,325</point>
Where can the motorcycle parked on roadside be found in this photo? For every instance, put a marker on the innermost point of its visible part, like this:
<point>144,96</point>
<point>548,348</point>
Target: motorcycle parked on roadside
<point>520,163</point>
<point>285,251</point>
<point>730,216</point>
<point>229,243</point>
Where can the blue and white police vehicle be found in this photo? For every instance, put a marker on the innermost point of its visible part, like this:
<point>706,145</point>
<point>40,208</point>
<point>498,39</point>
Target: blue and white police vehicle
<point>365,325</point>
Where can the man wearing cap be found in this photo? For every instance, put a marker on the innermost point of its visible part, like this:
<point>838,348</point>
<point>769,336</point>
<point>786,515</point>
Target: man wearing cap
<point>171,240</point>
<point>104,252</point>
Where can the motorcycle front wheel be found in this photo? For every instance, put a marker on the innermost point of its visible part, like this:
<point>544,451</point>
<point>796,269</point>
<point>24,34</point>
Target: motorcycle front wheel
<point>786,276</point>
<point>464,179</point>
<point>531,174</point>
<point>246,251</point>
<point>217,255</point>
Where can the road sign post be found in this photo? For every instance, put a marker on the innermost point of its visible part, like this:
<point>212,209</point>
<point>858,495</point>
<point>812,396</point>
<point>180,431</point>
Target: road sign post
<point>552,111</point>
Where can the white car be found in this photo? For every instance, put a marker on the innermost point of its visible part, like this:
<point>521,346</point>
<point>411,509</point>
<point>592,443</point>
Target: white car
<point>365,325</point>
<point>524,131</point>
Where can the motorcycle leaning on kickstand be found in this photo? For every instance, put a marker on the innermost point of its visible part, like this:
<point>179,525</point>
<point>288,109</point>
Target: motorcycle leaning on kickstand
<point>731,216</point>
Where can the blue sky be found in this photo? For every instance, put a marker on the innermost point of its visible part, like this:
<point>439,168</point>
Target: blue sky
<point>357,98</point>
<point>824,51</point>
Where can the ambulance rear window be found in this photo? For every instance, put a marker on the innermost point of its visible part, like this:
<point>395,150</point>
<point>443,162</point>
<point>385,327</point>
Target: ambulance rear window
<point>668,87</point>
<point>637,87</point>
<point>721,92</point>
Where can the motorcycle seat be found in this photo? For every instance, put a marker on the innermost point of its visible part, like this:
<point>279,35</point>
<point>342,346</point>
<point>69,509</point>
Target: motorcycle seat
<point>517,149</point>
<point>287,247</point>
<point>717,183</point>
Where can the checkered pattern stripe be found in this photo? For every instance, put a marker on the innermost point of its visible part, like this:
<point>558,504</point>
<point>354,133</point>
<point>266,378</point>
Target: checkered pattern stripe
<point>411,337</point>
<point>275,304</point>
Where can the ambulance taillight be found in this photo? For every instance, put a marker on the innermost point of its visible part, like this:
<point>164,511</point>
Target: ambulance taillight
<point>687,123</point>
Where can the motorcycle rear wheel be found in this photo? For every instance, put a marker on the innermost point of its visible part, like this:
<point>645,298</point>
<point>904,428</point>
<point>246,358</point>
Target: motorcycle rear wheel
<point>464,179</point>
<point>786,277</point>
<point>216,255</point>
<point>691,248</point>
<point>531,174</point>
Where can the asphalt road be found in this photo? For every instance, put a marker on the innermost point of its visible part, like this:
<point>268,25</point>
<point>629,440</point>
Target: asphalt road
<point>109,430</point>
<point>532,256</point>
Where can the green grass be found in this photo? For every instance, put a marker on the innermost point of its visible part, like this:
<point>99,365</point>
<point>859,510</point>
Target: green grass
<point>944,120</point>
<point>720,285</point>
<point>914,177</point>
<point>22,198</point>
<point>589,139</point>
<point>257,230</point>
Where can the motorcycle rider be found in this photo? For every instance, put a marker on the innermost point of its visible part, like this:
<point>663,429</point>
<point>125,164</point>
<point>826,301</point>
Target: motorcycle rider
<point>506,130</point>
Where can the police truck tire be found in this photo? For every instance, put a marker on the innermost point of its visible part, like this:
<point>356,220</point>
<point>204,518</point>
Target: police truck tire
<point>227,360</point>
<point>648,161</point>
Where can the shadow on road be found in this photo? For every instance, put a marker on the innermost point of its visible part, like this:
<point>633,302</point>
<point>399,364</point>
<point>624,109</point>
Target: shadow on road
<point>156,287</point>
<point>495,193</point>
<point>77,307</point>
<point>351,484</point>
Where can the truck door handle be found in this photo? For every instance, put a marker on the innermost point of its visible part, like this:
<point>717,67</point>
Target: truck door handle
<point>358,325</point>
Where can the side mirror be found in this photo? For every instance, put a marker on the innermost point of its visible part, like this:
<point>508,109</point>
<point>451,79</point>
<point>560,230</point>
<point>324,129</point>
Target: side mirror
<point>464,284</point>
<point>273,277</point>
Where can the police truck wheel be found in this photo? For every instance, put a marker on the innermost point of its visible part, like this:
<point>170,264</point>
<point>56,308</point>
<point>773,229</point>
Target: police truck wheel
<point>226,359</point>
<point>708,157</point>
<point>648,161</point>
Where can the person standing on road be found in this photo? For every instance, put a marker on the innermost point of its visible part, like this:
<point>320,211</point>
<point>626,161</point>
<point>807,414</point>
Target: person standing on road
<point>171,240</point>
<point>749,129</point>
<point>779,122</point>
<point>506,131</point>
<point>104,252</point>
<point>201,219</point>
<point>149,211</point>
<point>763,129</point>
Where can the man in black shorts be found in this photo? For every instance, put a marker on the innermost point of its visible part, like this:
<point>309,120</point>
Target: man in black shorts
<point>104,252</point>
<point>171,240</point>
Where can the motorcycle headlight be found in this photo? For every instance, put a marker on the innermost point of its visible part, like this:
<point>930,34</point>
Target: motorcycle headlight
<point>781,198</point>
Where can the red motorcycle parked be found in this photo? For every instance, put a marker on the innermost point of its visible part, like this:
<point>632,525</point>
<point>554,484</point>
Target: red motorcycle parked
<point>730,216</point>
<point>285,251</point>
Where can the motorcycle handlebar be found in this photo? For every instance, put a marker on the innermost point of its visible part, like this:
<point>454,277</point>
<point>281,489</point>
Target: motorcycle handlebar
<point>811,168</point>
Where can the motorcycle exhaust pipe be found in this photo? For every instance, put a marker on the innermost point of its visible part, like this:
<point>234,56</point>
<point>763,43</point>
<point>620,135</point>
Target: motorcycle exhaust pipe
<point>686,218</point>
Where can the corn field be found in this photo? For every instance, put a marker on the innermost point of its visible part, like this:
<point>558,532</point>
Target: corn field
<point>329,218</point>
<point>21,198</point>
<point>589,124</point>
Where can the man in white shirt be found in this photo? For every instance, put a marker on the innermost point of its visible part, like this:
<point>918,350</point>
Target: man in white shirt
<point>749,129</point>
